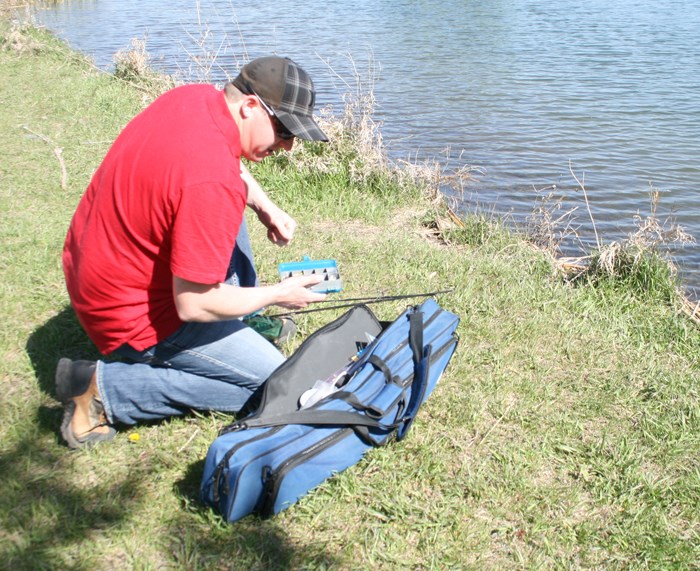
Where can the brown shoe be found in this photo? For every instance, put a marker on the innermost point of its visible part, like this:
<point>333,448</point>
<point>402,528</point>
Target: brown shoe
<point>76,388</point>
<point>87,439</point>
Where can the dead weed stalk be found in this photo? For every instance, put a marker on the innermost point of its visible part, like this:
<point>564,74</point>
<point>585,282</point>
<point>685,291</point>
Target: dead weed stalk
<point>134,66</point>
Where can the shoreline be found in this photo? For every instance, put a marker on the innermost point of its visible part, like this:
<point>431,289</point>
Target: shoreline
<point>507,187</point>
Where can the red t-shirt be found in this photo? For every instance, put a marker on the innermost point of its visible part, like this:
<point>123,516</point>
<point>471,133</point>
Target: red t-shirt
<point>167,200</point>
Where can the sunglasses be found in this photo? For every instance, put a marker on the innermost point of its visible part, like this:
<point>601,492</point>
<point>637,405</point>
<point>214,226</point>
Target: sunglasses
<point>282,131</point>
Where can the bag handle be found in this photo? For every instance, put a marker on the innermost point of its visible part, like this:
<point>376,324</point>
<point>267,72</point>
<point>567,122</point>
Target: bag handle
<point>421,364</point>
<point>316,417</point>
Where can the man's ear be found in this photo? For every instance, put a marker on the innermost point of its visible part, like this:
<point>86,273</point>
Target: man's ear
<point>248,103</point>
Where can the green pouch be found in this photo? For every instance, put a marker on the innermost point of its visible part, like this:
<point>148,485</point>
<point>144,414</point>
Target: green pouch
<point>273,329</point>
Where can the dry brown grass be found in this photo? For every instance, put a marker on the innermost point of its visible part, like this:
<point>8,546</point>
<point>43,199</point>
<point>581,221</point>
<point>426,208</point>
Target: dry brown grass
<point>134,66</point>
<point>16,40</point>
<point>9,8</point>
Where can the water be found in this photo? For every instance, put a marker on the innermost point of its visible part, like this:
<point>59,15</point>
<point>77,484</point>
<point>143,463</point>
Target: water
<point>526,91</point>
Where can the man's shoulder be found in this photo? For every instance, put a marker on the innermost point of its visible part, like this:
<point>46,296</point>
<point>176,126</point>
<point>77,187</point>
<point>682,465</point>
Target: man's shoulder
<point>181,114</point>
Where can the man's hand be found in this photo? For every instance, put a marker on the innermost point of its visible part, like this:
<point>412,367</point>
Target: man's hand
<point>294,292</point>
<point>280,225</point>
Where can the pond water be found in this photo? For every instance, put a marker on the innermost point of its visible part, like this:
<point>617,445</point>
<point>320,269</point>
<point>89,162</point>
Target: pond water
<point>534,94</point>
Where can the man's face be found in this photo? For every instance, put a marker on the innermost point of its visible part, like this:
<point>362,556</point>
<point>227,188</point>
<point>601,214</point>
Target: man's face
<point>266,135</point>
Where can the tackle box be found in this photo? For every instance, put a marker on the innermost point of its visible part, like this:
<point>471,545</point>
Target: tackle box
<point>328,268</point>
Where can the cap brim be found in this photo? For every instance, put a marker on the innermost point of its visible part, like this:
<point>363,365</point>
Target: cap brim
<point>302,126</point>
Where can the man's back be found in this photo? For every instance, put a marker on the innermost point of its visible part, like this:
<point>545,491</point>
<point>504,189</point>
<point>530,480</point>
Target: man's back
<point>167,200</point>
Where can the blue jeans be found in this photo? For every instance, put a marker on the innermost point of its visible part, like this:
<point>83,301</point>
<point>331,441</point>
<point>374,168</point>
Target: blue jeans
<point>202,366</point>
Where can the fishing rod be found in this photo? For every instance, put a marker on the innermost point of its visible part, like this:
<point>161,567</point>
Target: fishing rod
<point>356,300</point>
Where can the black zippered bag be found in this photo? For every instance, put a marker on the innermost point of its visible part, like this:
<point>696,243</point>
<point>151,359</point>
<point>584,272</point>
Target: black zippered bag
<point>380,375</point>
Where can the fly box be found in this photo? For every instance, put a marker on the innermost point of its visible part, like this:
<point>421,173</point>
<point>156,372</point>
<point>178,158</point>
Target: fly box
<point>307,267</point>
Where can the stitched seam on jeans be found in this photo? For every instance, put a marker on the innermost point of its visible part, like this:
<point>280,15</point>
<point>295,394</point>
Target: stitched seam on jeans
<point>218,362</point>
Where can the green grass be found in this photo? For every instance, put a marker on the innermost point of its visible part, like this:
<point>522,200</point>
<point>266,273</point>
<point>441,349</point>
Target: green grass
<point>565,433</point>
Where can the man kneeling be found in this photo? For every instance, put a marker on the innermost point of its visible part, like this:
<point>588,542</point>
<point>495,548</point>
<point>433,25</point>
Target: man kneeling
<point>158,262</point>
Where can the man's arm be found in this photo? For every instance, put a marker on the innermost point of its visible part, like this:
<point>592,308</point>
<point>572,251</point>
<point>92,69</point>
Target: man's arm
<point>220,302</point>
<point>280,226</point>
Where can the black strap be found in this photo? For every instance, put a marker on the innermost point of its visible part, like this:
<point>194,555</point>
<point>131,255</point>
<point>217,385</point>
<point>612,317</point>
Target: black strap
<point>364,432</point>
<point>380,364</point>
<point>354,402</point>
<point>421,362</point>
<point>318,417</point>
<point>415,336</point>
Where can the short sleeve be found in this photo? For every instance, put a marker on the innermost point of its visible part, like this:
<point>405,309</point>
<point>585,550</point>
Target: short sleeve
<point>207,217</point>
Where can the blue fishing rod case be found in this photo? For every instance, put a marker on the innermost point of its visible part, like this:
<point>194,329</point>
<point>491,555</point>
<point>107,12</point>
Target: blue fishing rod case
<point>379,375</point>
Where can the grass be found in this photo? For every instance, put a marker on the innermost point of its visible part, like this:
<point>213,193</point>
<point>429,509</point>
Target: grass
<point>565,433</point>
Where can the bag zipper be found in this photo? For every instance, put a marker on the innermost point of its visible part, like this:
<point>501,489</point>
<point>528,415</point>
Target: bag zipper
<point>223,463</point>
<point>273,478</point>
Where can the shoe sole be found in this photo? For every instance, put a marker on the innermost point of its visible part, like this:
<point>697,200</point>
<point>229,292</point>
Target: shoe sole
<point>87,441</point>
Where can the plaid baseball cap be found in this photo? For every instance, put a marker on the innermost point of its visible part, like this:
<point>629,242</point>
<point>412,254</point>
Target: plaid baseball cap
<point>287,89</point>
